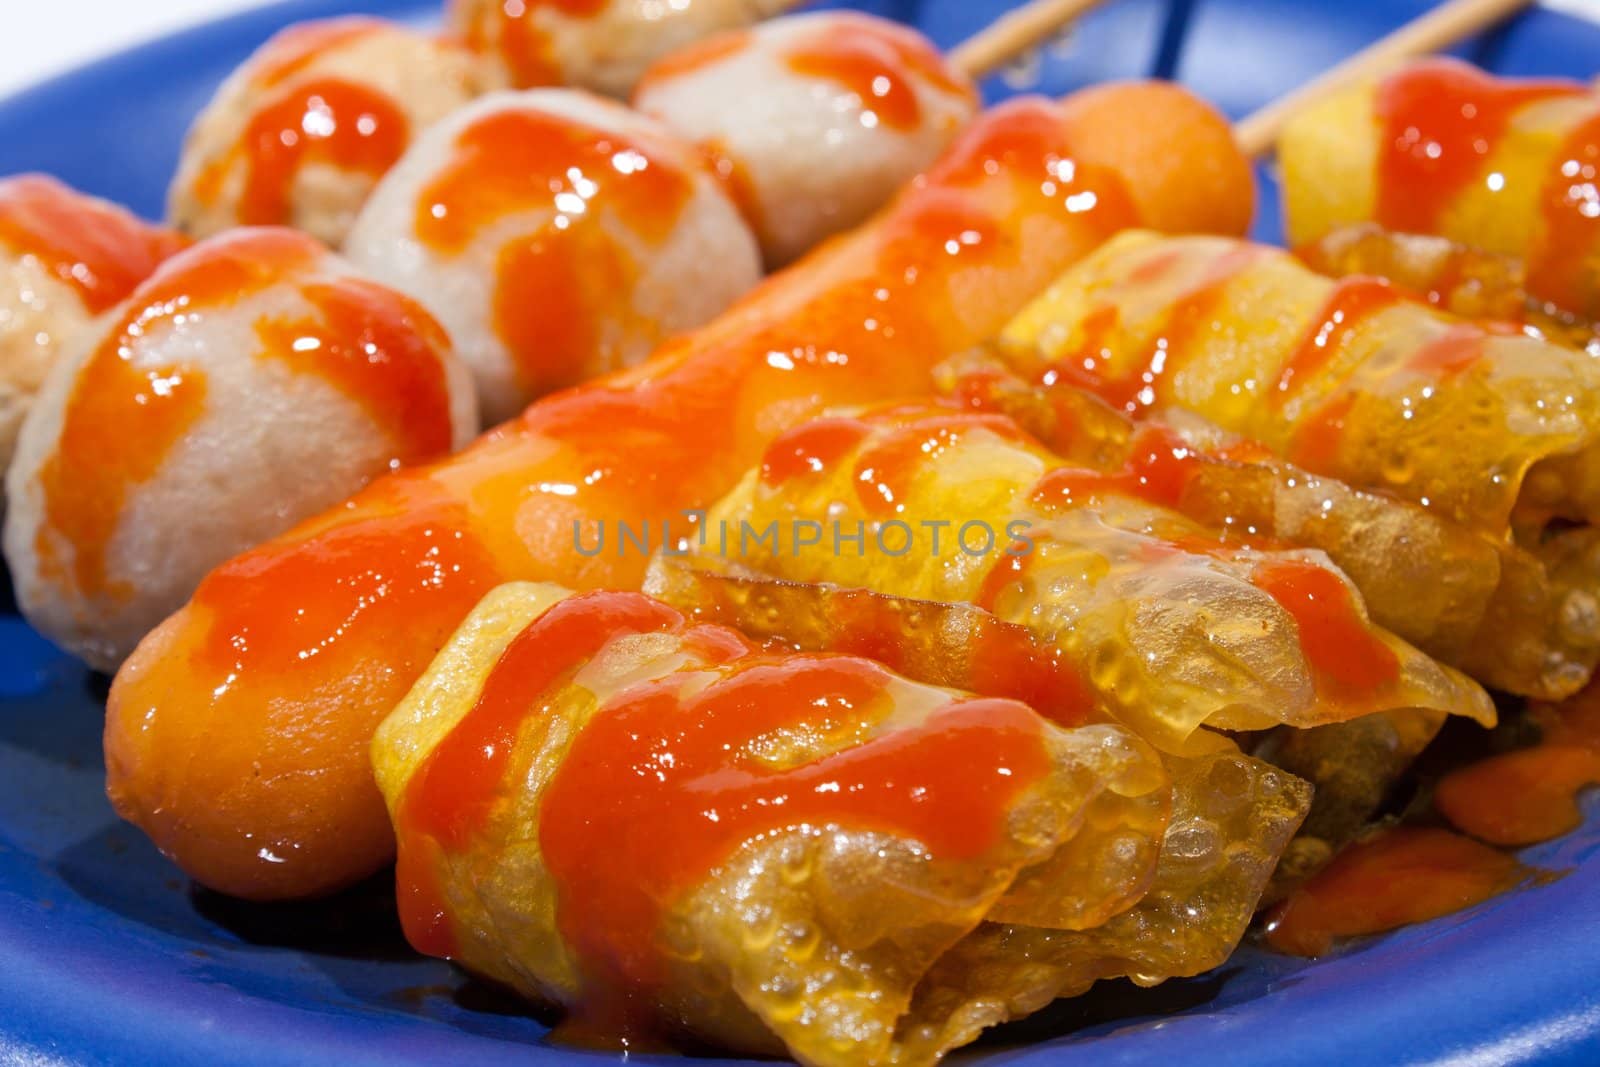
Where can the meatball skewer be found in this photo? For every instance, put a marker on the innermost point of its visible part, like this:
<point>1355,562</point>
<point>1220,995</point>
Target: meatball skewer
<point>301,133</point>
<point>559,236</point>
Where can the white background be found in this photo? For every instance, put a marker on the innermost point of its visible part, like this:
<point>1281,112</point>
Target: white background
<point>43,37</point>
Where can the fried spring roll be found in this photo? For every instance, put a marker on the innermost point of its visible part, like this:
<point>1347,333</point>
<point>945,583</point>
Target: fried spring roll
<point>1495,431</point>
<point>664,828</point>
<point>1427,580</point>
<point>1439,147</point>
<point>288,656</point>
<point>1177,625</point>
<point>1232,815</point>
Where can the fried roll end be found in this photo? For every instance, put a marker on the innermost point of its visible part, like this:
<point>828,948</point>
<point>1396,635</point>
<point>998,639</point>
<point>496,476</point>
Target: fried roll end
<point>663,828</point>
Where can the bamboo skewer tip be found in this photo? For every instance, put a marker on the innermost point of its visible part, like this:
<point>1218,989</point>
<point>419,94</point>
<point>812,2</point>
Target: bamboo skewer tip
<point>1014,33</point>
<point>1446,24</point>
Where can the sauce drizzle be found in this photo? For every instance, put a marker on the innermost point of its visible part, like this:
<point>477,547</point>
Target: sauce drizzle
<point>380,349</point>
<point>1347,657</point>
<point>1351,301</point>
<point>1440,121</point>
<point>559,283</point>
<point>657,766</point>
<point>512,26</point>
<point>456,789</point>
<point>1395,878</point>
<point>812,448</point>
<point>1530,795</point>
<point>662,762</point>
<point>890,460</point>
<point>1159,467</point>
<point>328,120</point>
<point>871,64</point>
<point>521,159</point>
<point>1141,386</point>
<point>1561,263</point>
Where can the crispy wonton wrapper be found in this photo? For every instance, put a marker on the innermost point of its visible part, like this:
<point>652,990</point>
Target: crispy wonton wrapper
<point>815,938</point>
<point>1175,625</point>
<point>1458,278</point>
<point>1427,580</point>
<point>1491,429</point>
<point>1233,815</point>
<point>1231,819</point>
<point>1350,764</point>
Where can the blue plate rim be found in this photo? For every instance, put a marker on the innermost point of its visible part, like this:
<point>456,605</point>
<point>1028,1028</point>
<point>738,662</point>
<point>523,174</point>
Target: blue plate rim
<point>1546,1008</point>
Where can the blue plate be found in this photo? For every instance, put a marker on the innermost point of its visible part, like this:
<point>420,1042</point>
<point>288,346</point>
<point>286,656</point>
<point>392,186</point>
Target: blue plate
<point>107,955</point>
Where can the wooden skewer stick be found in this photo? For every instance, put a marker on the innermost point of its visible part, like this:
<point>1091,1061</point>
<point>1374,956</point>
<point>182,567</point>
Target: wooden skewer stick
<point>1014,33</point>
<point>1442,26</point>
